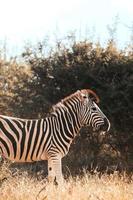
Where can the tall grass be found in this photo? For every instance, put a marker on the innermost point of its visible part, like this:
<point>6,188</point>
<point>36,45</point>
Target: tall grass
<point>88,187</point>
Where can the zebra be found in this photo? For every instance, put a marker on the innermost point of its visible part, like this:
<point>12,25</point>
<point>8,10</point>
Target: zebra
<point>29,140</point>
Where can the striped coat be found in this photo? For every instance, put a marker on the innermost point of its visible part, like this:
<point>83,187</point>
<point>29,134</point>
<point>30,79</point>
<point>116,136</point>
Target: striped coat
<point>24,140</point>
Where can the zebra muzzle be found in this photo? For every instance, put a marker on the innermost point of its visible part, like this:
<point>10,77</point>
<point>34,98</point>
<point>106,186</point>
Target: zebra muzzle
<point>106,126</point>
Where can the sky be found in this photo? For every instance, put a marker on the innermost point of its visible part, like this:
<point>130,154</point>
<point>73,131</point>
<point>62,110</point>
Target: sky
<point>23,21</point>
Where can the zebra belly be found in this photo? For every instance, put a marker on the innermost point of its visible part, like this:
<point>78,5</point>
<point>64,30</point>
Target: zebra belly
<point>22,160</point>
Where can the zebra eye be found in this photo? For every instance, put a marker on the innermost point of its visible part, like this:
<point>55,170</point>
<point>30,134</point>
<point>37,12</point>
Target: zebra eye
<point>84,97</point>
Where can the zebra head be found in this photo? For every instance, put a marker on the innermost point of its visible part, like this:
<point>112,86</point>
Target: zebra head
<point>91,115</point>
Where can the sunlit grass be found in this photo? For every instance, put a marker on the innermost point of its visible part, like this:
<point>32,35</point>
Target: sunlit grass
<point>88,187</point>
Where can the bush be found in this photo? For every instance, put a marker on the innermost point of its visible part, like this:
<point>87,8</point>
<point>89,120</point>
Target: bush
<point>47,79</point>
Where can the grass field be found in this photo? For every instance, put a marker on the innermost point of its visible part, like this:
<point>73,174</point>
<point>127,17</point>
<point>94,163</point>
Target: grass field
<point>88,187</point>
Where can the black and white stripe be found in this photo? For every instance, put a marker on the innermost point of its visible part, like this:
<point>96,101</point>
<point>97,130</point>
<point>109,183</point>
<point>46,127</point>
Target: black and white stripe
<point>24,140</point>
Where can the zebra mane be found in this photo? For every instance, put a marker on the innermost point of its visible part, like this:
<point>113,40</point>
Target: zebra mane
<point>77,94</point>
<point>63,101</point>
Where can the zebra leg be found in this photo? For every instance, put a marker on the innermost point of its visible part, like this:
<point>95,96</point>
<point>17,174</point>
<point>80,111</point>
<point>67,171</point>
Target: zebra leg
<point>55,170</point>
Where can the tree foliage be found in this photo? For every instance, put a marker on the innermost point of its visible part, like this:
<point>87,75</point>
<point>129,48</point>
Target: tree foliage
<point>29,91</point>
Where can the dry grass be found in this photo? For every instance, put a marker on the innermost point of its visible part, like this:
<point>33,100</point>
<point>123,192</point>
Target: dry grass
<point>89,187</point>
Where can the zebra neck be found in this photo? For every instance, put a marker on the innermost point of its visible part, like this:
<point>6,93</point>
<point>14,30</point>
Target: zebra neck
<point>66,122</point>
<point>73,120</point>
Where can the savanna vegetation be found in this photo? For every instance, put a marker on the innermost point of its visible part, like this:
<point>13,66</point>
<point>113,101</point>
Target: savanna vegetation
<point>86,187</point>
<point>28,89</point>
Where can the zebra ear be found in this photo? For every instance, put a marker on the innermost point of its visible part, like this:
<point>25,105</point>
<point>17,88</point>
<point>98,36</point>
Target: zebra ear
<point>93,96</point>
<point>85,93</point>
